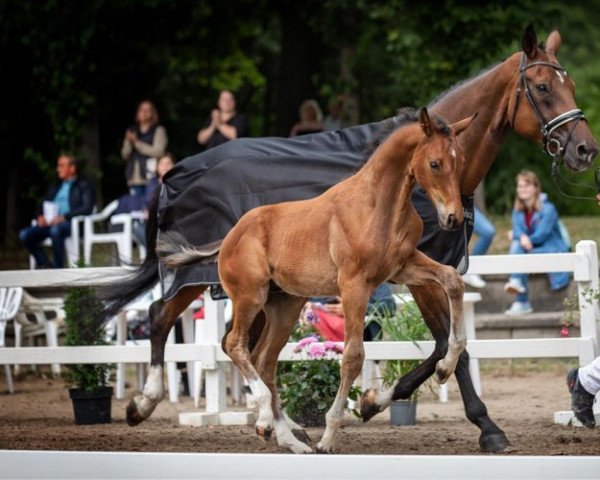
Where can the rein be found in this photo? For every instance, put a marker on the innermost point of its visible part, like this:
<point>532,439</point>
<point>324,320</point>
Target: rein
<point>552,145</point>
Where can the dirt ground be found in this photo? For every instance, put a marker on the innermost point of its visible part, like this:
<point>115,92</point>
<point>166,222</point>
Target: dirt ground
<point>521,400</point>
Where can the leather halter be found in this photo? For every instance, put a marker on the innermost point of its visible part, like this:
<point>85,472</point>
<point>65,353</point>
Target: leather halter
<point>551,145</point>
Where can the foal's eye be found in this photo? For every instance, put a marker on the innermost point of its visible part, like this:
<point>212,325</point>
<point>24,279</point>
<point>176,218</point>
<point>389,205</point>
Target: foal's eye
<point>542,87</point>
<point>434,164</point>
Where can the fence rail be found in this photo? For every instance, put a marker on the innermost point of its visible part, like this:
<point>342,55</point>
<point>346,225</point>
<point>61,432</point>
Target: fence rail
<point>209,357</point>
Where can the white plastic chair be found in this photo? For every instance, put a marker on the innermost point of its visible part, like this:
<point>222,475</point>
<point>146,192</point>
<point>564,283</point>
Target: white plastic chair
<point>33,320</point>
<point>10,300</point>
<point>72,249</point>
<point>123,239</point>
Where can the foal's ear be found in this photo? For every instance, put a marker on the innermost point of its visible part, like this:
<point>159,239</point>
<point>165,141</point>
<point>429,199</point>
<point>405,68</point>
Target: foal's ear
<point>425,122</point>
<point>553,42</point>
<point>463,124</point>
<point>529,42</point>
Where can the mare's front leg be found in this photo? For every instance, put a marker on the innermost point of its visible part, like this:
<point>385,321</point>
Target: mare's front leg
<point>162,318</point>
<point>355,295</point>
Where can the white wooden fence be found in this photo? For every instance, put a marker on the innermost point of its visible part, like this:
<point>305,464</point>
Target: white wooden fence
<point>208,355</point>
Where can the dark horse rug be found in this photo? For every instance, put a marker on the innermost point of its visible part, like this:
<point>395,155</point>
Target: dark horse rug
<point>205,195</point>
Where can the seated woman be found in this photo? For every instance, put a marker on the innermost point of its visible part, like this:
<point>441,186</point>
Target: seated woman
<point>536,229</point>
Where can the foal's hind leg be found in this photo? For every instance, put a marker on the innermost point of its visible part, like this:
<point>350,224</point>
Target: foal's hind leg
<point>282,312</point>
<point>245,308</point>
<point>162,318</point>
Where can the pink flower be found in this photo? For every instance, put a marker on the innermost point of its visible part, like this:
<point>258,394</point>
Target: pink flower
<point>333,347</point>
<point>317,351</point>
<point>304,342</point>
<point>564,331</point>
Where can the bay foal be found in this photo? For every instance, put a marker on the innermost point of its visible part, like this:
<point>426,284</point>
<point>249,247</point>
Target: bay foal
<point>358,234</point>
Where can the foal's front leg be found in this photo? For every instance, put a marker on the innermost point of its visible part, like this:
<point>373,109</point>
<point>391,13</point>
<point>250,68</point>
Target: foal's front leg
<point>355,296</point>
<point>422,270</point>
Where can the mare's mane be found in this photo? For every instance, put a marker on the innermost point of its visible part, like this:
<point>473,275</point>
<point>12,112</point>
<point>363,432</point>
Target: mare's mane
<point>460,83</point>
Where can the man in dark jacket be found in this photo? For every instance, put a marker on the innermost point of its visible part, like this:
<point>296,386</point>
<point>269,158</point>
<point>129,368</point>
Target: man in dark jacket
<point>73,196</point>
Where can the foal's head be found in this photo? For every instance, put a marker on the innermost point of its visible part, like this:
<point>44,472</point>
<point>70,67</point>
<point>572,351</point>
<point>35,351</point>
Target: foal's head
<point>437,165</point>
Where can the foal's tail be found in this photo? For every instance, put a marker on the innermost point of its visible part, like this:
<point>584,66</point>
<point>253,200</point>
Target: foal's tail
<point>118,294</point>
<point>175,252</point>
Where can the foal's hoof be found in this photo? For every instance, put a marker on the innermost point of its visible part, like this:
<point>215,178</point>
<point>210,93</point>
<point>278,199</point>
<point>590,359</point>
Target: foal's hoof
<point>494,443</point>
<point>322,449</point>
<point>301,435</point>
<point>264,433</point>
<point>368,406</point>
<point>132,415</point>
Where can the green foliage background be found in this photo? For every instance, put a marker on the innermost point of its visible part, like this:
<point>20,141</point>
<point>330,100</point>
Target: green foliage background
<point>75,71</point>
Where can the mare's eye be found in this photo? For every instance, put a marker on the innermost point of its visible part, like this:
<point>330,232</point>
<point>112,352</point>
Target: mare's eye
<point>434,164</point>
<point>542,87</point>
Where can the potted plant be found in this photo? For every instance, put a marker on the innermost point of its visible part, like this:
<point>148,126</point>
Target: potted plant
<point>308,386</point>
<point>89,390</point>
<point>404,325</point>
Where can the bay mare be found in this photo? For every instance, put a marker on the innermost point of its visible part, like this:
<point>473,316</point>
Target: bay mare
<point>358,234</point>
<point>498,97</point>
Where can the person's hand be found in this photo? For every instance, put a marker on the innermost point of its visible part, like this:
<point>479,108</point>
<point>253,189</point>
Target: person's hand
<point>41,221</point>
<point>215,117</point>
<point>130,136</point>
<point>58,219</point>
<point>598,199</point>
<point>335,308</point>
<point>525,242</point>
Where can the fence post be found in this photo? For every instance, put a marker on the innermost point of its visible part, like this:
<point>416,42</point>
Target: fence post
<point>588,312</point>
<point>214,316</point>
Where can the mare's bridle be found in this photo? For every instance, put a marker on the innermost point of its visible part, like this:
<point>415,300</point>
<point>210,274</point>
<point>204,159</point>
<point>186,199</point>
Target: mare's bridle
<point>552,145</point>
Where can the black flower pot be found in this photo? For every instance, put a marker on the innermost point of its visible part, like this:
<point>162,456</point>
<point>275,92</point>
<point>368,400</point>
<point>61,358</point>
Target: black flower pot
<point>91,407</point>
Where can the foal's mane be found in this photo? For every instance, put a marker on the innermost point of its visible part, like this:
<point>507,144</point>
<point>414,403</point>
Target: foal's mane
<point>404,116</point>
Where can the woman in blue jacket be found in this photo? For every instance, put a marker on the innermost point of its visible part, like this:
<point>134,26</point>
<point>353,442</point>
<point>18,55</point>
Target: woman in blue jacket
<point>536,229</point>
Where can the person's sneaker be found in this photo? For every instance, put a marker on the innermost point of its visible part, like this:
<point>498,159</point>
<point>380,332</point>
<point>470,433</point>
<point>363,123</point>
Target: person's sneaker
<point>474,280</point>
<point>514,286</point>
<point>519,308</point>
<point>581,400</point>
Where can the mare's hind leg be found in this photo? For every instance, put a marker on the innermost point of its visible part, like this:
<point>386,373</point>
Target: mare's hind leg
<point>282,312</point>
<point>162,318</point>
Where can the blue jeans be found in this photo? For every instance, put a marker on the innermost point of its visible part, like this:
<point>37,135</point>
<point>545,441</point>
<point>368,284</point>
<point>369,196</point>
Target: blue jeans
<point>485,232</point>
<point>32,238</point>
<point>557,280</point>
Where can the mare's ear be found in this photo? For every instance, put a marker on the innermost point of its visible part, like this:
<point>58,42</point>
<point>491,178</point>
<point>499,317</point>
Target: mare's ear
<point>553,42</point>
<point>425,122</point>
<point>463,124</point>
<point>529,42</point>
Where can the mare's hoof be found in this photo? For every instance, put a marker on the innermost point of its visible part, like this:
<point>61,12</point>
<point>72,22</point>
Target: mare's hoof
<point>494,443</point>
<point>264,433</point>
<point>442,374</point>
<point>132,415</point>
<point>368,406</point>
<point>301,435</point>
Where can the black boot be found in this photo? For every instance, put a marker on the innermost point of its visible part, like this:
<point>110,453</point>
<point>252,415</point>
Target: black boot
<point>581,400</point>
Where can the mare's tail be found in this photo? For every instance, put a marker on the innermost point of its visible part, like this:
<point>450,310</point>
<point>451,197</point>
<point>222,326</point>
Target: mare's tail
<point>118,294</point>
<point>175,252</point>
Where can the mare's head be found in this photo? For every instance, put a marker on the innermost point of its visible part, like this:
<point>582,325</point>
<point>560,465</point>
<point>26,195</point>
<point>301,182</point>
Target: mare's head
<point>437,164</point>
<point>543,107</point>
